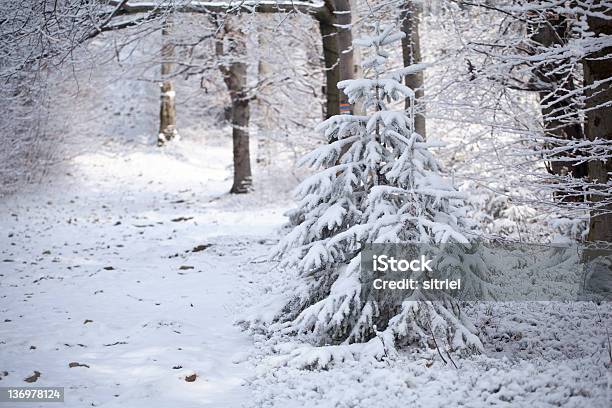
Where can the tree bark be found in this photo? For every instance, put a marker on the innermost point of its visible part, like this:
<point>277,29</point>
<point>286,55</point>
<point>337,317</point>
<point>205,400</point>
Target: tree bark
<point>343,23</point>
<point>554,101</point>
<point>167,110</point>
<point>598,67</point>
<point>337,37</point>
<point>264,71</point>
<point>332,68</point>
<point>234,71</point>
<point>411,53</point>
<point>240,136</point>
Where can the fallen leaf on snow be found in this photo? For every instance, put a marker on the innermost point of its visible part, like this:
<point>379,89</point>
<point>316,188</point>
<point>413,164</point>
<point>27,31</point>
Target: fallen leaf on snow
<point>179,219</point>
<point>202,247</point>
<point>33,377</point>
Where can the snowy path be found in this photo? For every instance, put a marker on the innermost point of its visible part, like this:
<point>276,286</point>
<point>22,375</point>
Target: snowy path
<point>136,268</point>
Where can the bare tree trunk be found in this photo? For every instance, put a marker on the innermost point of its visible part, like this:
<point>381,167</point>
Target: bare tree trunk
<point>597,74</point>
<point>337,38</point>
<point>555,103</point>
<point>411,52</point>
<point>234,71</point>
<point>264,70</point>
<point>332,67</point>
<point>167,110</point>
<point>358,106</point>
<point>345,48</point>
<point>240,134</point>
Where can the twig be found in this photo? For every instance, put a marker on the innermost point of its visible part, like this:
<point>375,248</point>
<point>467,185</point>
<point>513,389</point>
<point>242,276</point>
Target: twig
<point>435,342</point>
<point>451,359</point>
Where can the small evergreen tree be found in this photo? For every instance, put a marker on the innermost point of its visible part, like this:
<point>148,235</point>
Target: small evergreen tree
<point>378,184</point>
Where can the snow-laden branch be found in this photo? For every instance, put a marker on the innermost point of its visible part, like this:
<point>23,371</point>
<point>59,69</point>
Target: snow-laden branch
<point>316,9</point>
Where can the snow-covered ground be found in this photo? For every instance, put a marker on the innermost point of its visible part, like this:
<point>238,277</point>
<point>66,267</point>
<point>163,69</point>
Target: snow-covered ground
<point>538,355</point>
<point>135,264</point>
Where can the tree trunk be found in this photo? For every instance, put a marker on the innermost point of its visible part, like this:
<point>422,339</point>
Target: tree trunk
<point>555,102</point>
<point>411,52</point>
<point>167,110</point>
<point>240,136</point>
<point>598,67</point>
<point>358,106</point>
<point>345,48</point>
<point>235,77</point>
<point>264,72</point>
<point>337,39</point>
<point>332,68</point>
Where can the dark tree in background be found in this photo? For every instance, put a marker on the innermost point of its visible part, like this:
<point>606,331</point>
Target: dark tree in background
<point>411,53</point>
<point>230,48</point>
<point>555,82</point>
<point>597,78</point>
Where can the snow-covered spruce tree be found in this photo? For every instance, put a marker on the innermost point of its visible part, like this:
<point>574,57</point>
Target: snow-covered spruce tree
<point>378,184</point>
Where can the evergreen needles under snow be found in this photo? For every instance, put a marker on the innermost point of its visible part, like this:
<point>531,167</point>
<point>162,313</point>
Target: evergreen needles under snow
<point>378,183</point>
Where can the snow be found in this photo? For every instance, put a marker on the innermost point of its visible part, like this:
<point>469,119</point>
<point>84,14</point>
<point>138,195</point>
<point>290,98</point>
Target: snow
<point>94,270</point>
<point>537,354</point>
<point>129,269</point>
<point>134,323</point>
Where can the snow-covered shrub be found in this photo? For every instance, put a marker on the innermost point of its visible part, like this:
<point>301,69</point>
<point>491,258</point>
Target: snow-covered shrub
<point>378,183</point>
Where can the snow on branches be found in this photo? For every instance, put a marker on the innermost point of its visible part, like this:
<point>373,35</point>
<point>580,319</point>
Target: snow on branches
<point>378,183</point>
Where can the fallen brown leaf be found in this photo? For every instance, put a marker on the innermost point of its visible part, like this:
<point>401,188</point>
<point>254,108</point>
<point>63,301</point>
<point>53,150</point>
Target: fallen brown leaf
<point>33,377</point>
<point>75,364</point>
